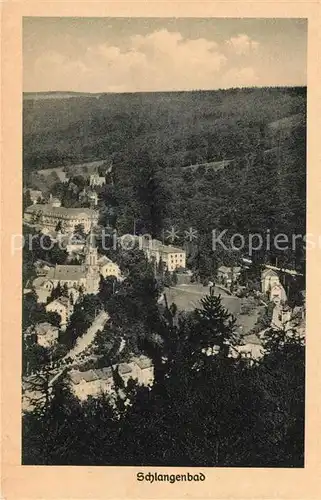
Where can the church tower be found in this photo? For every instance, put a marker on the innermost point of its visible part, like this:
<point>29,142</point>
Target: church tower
<point>92,268</point>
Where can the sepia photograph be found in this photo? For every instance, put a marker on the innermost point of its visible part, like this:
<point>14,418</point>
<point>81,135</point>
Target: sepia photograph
<point>164,243</point>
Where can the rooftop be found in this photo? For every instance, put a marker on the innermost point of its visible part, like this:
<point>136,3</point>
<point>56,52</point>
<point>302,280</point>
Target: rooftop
<point>34,192</point>
<point>42,328</point>
<point>251,339</point>
<point>106,373</point>
<point>227,269</point>
<point>142,362</point>
<point>40,281</point>
<point>62,211</point>
<point>124,368</point>
<point>61,300</point>
<point>65,273</point>
<point>170,249</point>
<point>72,239</point>
<point>104,260</point>
<point>268,272</point>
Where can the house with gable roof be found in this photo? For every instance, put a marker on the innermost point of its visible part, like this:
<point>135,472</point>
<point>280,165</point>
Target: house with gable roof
<point>269,278</point>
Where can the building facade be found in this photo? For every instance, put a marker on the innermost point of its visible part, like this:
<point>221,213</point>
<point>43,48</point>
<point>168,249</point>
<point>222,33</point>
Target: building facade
<point>85,277</point>
<point>278,294</point>
<point>96,180</point>
<point>269,278</point>
<point>97,381</point>
<point>45,334</point>
<point>48,217</point>
<point>228,274</point>
<point>108,267</point>
<point>172,257</point>
<point>63,307</point>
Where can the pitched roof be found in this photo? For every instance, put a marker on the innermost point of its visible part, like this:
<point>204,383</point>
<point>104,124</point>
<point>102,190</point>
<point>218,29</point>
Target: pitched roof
<point>124,368</point>
<point>89,376</point>
<point>104,260</point>
<point>143,362</point>
<point>104,373</point>
<point>251,339</point>
<point>40,262</point>
<point>224,269</point>
<point>229,269</point>
<point>72,239</point>
<point>278,285</point>
<point>64,301</point>
<point>62,211</point>
<point>268,272</point>
<point>170,249</point>
<point>75,376</point>
<point>35,193</point>
<point>65,272</point>
<point>42,328</point>
<point>40,281</point>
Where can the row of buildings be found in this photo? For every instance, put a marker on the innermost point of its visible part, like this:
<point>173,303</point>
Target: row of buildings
<point>270,282</point>
<point>100,381</point>
<point>82,278</point>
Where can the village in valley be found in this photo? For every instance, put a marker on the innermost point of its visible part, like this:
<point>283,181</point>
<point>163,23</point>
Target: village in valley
<point>70,279</point>
<point>163,242</point>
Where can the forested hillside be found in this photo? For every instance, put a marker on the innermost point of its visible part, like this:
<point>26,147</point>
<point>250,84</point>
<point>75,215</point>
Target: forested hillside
<point>184,126</point>
<point>152,137</point>
<point>247,150</point>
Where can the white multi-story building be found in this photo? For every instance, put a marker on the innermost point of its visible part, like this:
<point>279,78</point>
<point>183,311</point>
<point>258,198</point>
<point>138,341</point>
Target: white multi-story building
<point>172,257</point>
<point>48,217</point>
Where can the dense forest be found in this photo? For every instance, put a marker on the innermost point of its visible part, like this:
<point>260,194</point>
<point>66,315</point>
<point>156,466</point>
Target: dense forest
<point>152,139</point>
<point>247,150</point>
<point>183,127</point>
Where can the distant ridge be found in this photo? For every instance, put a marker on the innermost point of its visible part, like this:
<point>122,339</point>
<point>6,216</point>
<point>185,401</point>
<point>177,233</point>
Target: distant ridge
<point>57,94</point>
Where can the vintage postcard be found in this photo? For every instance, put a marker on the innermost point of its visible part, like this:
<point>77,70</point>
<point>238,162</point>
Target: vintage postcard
<point>161,250</point>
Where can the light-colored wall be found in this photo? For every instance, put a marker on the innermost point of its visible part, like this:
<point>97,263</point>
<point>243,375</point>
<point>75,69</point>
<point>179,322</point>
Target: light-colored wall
<point>50,221</point>
<point>84,389</point>
<point>172,260</point>
<point>252,351</point>
<point>176,260</point>
<point>269,282</point>
<point>280,319</point>
<point>49,339</point>
<point>110,269</point>
<point>94,388</point>
<point>63,311</point>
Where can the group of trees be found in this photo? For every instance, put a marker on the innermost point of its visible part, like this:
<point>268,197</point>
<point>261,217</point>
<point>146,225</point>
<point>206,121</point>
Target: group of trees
<point>38,246</point>
<point>261,190</point>
<point>185,126</point>
<point>33,312</point>
<point>202,410</point>
<point>84,312</point>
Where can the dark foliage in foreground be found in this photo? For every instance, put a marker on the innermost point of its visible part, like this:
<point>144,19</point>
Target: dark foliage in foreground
<point>201,411</point>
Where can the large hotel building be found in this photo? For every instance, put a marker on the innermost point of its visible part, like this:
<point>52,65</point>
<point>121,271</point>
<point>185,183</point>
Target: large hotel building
<point>48,217</point>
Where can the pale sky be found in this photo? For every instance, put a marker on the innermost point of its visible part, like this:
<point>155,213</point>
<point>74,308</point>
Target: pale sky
<point>161,54</point>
